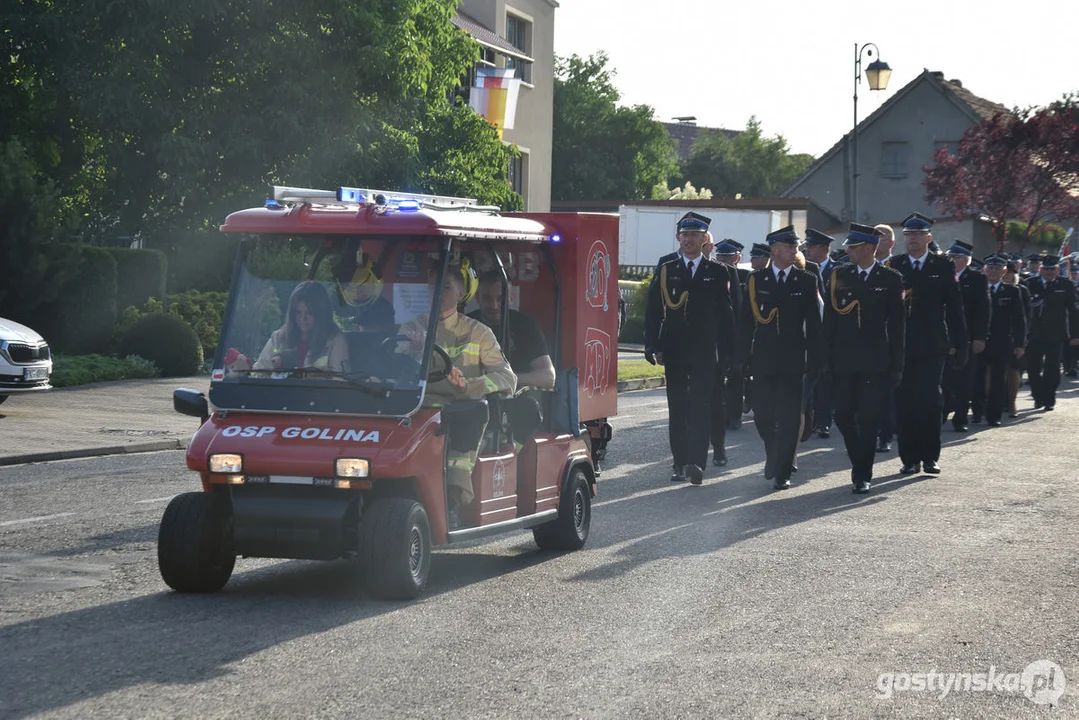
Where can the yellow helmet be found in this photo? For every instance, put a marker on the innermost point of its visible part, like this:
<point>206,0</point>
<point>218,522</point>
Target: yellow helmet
<point>470,279</point>
<point>363,288</point>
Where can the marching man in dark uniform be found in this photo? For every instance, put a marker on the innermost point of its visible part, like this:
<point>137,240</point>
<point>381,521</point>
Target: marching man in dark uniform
<point>780,336</point>
<point>1055,323</point>
<point>864,329</point>
<point>690,330</point>
<point>959,381</point>
<point>729,252</point>
<point>936,330</point>
<point>1006,340</point>
<point>816,250</point>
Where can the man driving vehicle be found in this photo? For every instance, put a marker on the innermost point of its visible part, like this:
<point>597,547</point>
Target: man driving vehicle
<point>525,345</point>
<point>479,368</point>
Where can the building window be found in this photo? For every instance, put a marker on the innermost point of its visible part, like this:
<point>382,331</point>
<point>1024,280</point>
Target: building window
<point>519,34</point>
<point>952,145</point>
<point>893,159</point>
<point>518,175</point>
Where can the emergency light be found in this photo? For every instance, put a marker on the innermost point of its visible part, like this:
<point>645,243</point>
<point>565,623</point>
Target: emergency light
<point>400,201</point>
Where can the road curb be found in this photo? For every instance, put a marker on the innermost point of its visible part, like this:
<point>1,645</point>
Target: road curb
<point>153,446</point>
<point>641,384</point>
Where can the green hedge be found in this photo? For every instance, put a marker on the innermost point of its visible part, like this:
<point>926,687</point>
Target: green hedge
<point>83,319</point>
<point>165,340</point>
<point>200,262</point>
<point>141,275</point>
<point>68,370</point>
<point>202,311</point>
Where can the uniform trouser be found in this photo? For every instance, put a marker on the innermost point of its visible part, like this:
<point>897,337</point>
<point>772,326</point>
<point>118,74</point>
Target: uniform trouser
<point>996,367</point>
<point>918,408</point>
<point>860,400</point>
<point>1043,370</point>
<point>956,388</point>
<point>719,413</point>
<point>823,402</point>
<point>1070,358</point>
<point>777,413</point>
<point>689,400</point>
<point>459,467</point>
<point>887,420</point>
<point>735,388</point>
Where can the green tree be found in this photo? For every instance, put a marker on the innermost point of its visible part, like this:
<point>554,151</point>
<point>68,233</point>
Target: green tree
<point>179,113</point>
<point>748,163</point>
<point>601,150</point>
<point>662,191</point>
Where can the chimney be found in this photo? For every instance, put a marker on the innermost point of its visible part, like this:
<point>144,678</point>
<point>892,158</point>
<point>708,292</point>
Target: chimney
<point>937,75</point>
<point>957,82</point>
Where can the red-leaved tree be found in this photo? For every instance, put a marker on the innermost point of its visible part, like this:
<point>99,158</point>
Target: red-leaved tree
<point>1014,166</point>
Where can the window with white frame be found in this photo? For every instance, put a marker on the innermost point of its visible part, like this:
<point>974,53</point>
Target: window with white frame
<point>519,34</point>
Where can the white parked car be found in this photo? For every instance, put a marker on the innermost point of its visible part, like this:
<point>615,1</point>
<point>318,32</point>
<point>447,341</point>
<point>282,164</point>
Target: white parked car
<point>25,360</point>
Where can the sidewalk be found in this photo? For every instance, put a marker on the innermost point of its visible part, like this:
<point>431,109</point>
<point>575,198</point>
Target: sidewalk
<point>113,418</point>
<point>100,419</point>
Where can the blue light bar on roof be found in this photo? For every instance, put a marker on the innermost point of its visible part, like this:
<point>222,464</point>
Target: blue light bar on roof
<point>556,238</point>
<point>408,206</point>
<point>351,195</point>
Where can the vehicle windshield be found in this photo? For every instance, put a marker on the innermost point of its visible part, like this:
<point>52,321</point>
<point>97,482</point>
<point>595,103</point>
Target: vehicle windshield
<point>312,323</point>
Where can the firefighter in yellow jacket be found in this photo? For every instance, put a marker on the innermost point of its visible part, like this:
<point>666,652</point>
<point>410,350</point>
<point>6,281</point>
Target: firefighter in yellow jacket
<point>479,368</point>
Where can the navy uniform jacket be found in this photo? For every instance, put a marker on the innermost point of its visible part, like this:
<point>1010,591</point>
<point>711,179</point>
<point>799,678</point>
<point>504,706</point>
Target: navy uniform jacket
<point>864,324</point>
<point>975,290</point>
<point>935,321</point>
<point>1008,322</point>
<point>1024,292</point>
<point>814,269</point>
<point>736,294</point>
<point>780,326</point>
<point>1055,316</point>
<point>701,331</point>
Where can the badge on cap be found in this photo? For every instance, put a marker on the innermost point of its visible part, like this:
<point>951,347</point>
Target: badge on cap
<point>693,222</point>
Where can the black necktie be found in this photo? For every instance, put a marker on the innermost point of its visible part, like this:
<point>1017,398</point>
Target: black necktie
<point>865,274</point>
<point>689,266</point>
<point>917,265</point>
<point>782,275</point>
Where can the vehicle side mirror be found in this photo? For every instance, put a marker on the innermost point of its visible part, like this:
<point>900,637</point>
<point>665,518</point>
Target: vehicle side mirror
<point>191,402</point>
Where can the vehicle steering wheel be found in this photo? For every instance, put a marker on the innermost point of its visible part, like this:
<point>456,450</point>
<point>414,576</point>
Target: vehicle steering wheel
<point>388,344</point>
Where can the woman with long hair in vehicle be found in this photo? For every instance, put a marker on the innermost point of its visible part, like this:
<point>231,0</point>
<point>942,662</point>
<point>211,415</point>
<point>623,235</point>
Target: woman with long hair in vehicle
<point>309,338</point>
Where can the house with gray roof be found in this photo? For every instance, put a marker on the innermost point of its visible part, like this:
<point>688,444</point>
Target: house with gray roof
<point>895,143</point>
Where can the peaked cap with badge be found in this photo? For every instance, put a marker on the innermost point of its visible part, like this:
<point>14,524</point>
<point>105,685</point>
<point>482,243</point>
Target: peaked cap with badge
<point>694,222</point>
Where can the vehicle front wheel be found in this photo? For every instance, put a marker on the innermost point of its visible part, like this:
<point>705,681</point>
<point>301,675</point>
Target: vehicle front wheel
<point>194,543</point>
<point>570,530</point>
<point>395,544</point>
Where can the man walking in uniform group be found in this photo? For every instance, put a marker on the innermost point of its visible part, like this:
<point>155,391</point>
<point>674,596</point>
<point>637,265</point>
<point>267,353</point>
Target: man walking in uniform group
<point>817,245</point>
<point>864,331</point>
<point>690,330</point>
<point>1055,323</point>
<point>1006,339</point>
<point>935,330</point>
<point>780,337</point>
<point>959,379</point>
<point>729,252</point>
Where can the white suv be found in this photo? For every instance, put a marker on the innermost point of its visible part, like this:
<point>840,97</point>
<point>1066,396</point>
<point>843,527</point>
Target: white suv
<point>25,360</point>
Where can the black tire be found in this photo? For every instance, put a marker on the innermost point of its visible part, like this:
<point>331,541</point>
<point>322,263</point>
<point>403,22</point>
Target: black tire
<point>3,398</point>
<point>570,530</point>
<point>395,544</point>
<point>194,543</point>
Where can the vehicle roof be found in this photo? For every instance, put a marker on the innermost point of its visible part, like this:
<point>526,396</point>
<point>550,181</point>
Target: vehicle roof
<point>369,219</point>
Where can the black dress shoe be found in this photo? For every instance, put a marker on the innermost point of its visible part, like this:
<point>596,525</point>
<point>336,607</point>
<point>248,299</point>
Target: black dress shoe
<point>679,475</point>
<point>782,484</point>
<point>994,423</point>
<point>1050,407</point>
<point>883,447</point>
<point>910,469</point>
<point>694,474</point>
<point>719,459</point>
<point>960,428</point>
<point>931,467</point>
<point>824,433</point>
<point>861,488</point>
<point>1013,414</point>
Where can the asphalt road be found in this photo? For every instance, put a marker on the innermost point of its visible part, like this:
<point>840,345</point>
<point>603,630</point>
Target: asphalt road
<point>727,600</point>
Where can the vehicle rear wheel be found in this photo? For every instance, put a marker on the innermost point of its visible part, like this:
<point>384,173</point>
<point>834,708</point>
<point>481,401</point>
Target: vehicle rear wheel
<point>570,530</point>
<point>194,543</point>
<point>395,544</point>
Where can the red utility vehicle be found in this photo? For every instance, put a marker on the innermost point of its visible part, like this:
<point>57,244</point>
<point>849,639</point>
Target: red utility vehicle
<point>327,461</point>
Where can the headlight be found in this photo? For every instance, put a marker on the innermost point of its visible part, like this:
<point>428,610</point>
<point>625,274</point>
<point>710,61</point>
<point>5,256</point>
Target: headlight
<point>352,468</point>
<point>226,463</point>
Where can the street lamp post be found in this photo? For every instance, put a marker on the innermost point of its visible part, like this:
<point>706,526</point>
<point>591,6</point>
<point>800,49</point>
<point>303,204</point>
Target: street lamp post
<point>876,74</point>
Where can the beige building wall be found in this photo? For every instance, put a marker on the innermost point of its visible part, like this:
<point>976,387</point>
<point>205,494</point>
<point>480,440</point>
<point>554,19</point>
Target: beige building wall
<point>535,105</point>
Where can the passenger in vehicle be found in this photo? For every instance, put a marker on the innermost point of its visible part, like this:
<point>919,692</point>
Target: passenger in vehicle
<point>309,337</point>
<point>360,290</point>
<point>479,368</point>
<point>526,347</point>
